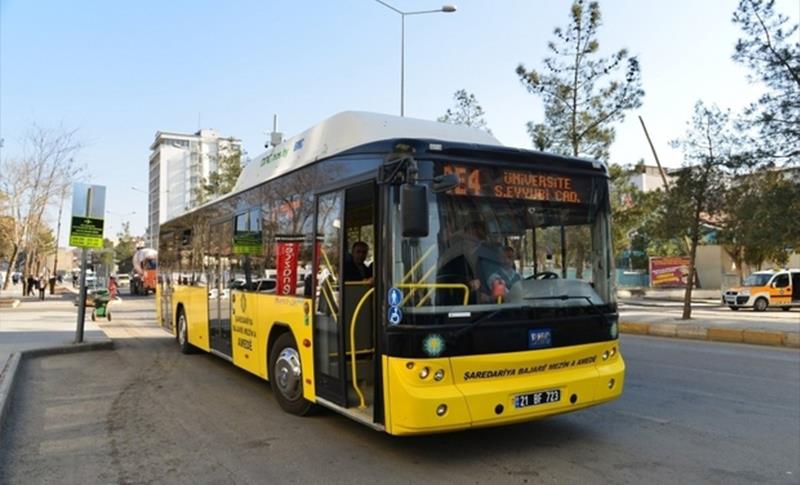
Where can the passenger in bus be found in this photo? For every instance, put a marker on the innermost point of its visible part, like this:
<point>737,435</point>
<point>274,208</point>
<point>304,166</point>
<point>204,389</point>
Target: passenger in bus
<point>503,275</point>
<point>354,267</point>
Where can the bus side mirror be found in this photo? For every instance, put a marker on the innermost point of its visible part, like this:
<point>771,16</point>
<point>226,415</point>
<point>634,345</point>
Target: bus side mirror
<point>443,183</point>
<point>414,210</point>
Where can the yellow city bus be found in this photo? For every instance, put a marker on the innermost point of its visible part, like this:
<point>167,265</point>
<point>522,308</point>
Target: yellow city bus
<point>485,298</point>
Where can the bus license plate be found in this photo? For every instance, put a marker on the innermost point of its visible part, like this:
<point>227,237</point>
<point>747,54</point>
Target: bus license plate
<point>536,398</point>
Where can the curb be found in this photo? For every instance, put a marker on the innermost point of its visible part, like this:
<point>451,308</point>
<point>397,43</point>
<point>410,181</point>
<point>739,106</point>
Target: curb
<point>8,374</point>
<point>752,336</point>
<point>9,302</point>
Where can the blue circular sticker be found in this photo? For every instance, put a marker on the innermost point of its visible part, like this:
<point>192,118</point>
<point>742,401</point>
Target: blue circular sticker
<point>395,315</point>
<point>395,296</point>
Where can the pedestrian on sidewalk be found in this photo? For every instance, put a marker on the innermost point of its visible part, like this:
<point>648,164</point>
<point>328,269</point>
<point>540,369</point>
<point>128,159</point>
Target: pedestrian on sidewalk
<point>42,286</point>
<point>112,287</point>
<point>30,286</point>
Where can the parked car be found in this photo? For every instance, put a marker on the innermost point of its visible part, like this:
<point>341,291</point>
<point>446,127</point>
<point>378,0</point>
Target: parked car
<point>763,289</point>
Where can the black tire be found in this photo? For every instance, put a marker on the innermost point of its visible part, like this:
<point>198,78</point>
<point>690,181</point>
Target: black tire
<point>182,333</point>
<point>286,376</point>
<point>734,308</point>
<point>760,305</point>
<point>786,308</point>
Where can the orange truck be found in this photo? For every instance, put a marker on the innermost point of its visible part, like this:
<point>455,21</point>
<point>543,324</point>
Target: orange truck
<point>764,289</point>
<point>143,277</point>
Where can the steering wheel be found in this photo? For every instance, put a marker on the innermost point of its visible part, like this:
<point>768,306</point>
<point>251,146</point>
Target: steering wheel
<point>543,275</point>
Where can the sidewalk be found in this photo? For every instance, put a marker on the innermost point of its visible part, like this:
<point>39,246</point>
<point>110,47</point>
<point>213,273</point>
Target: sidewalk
<point>36,327</point>
<point>710,321</point>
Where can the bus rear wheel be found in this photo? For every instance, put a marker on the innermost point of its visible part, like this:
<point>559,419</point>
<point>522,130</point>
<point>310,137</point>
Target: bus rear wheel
<point>286,376</point>
<point>760,305</point>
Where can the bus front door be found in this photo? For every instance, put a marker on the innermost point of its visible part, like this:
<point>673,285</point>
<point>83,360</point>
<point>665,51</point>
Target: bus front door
<point>344,332</point>
<point>329,363</point>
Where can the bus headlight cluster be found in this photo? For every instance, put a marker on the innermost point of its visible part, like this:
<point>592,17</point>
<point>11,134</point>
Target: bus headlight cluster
<point>609,353</point>
<point>425,372</point>
<point>441,410</point>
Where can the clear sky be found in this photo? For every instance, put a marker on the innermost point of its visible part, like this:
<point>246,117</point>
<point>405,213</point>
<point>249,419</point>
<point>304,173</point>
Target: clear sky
<point>120,71</point>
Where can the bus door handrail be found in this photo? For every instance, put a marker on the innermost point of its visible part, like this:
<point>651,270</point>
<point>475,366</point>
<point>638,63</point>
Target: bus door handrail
<point>414,268</point>
<point>414,290</point>
<point>354,372</point>
<point>418,263</point>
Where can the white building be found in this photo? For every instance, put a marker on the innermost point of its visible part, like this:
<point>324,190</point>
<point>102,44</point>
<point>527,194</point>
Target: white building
<point>179,163</point>
<point>649,179</point>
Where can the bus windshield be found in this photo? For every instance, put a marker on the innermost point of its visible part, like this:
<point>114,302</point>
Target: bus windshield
<point>507,239</point>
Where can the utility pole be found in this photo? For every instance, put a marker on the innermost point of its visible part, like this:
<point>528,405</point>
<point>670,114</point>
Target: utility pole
<point>655,155</point>
<point>58,230</point>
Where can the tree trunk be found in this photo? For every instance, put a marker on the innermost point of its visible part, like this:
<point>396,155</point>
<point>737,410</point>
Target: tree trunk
<point>11,266</point>
<point>687,297</point>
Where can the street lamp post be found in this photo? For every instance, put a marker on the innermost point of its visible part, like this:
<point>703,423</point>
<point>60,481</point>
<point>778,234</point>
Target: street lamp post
<point>444,9</point>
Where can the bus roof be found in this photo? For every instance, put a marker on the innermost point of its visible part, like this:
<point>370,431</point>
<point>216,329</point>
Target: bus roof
<point>346,130</point>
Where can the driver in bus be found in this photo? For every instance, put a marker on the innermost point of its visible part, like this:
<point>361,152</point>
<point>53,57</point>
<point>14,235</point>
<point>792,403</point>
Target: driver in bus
<point>503,276</point>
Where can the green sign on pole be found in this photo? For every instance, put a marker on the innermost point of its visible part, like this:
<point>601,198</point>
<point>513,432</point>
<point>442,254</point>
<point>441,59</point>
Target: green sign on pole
<point>88,212</point>
<point>86,232</point>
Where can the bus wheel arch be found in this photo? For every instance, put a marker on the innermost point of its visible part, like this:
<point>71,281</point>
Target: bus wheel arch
<point>285,371</point>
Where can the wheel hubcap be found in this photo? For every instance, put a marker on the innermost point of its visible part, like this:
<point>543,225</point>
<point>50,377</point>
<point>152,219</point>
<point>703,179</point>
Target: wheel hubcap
<point>182,329</point>
<point>288,375</point>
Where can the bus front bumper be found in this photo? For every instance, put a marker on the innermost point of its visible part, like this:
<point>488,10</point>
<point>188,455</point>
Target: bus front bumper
<point>498,389</point>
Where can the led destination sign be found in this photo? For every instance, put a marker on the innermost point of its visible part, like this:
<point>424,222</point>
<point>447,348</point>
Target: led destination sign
<point>516,184</point>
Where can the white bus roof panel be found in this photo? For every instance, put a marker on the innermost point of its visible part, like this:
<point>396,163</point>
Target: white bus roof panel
<point>347,130</point>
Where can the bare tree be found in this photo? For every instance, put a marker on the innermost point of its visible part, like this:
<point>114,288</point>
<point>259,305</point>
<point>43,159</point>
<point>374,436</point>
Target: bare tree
<point>34,182</point>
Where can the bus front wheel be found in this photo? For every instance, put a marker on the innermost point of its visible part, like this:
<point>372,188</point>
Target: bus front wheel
<point>286,376</point>
<point>183,333</point>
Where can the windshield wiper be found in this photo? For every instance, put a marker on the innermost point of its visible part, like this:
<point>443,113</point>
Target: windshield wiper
<point>588,299</point>
<point>487,316</point>
<point>477,322</point>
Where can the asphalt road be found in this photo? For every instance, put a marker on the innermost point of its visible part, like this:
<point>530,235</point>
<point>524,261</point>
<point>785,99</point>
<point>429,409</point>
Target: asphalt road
<point>144,413</point>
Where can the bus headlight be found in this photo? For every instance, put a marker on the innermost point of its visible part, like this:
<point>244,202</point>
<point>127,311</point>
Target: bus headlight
<point>423,374</point>
<point>441,410</point>
<point>438,375</point>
